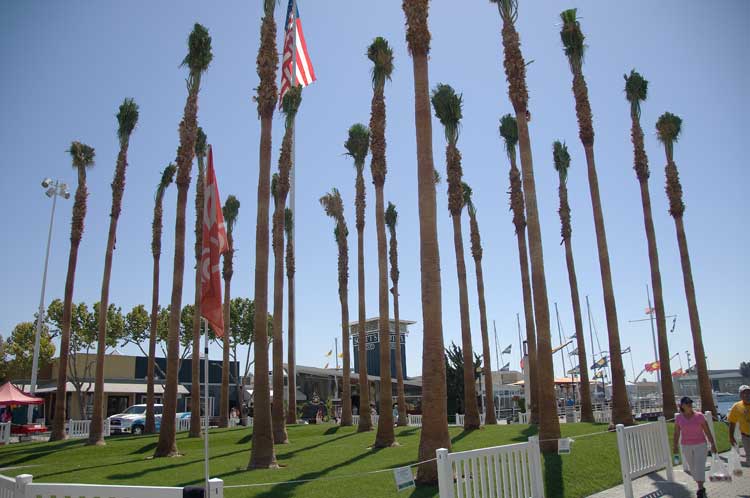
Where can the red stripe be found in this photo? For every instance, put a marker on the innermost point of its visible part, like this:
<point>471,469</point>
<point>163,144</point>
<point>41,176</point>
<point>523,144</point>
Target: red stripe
<point>303,44</point>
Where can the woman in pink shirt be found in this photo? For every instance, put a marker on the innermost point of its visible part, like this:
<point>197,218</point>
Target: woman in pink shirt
<point>691,431</point>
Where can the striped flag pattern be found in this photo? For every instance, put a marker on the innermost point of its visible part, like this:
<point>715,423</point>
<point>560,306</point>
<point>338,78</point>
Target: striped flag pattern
<point>305,73</point>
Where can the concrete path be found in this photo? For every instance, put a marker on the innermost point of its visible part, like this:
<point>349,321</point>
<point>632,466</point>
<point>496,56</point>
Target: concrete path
<point>656,485</point>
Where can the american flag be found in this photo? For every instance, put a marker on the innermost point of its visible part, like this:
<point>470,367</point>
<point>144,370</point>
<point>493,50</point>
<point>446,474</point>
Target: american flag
<point>305,73</point>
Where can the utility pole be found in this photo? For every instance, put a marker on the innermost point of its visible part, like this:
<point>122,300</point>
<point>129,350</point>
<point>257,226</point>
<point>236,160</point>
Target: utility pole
<point>497,350</point>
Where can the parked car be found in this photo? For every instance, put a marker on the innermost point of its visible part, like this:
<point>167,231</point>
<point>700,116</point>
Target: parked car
<point>133,420</point>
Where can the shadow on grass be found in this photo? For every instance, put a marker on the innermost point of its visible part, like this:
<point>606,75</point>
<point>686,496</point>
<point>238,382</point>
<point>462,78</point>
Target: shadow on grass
<point>553,476</point>
<point>245,439</point>
<point>68,470</point>
<point>144,449</point>
<point>288,489</point>
<point>183,461</point>
<point>458,437</point>
<point>530,430</point>
<point>408,431</point>
<point>289,454</point>
<point>331,430</point>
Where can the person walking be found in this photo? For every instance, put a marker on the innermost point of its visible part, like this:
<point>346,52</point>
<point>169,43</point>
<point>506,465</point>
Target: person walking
<point>691,432</point>
<point>740,415</point>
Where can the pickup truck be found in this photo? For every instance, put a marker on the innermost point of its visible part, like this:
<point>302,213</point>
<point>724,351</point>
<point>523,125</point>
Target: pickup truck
<point>133,420</point>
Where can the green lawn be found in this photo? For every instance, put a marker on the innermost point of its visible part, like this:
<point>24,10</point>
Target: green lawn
<point>326,452</point>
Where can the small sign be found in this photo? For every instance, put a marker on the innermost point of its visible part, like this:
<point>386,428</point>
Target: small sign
<point>404,478</point>
<point>563,446</point>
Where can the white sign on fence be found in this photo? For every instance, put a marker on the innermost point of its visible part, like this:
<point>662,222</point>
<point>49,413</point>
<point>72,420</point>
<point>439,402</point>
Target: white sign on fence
<point>404,478</point>
<point>563,446</point>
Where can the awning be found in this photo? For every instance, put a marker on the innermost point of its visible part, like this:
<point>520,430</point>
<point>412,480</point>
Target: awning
<point>115,388</point>
<point>11,395</point>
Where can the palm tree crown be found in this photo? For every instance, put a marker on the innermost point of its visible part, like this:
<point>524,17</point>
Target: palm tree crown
<point>391,216</point>
<point>381,55</point>
<point>231,211</point>
<point>127,118</point>
<point>636,90</point>
<point>290,103</point>
<point>509,131</point>
<point>572,38</point>
<point>448,107</point>
<point>357,144</point>
<point>201,143</point>
<point>199,54</point>
<point>668,128</point>
<point>82,154</point>
<point>561,158</point>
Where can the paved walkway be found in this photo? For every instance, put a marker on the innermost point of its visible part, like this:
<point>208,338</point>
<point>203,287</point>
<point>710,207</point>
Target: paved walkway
<point>656,485</point>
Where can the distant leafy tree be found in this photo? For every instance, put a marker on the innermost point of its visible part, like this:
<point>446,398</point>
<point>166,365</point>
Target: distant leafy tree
<point>17,351</point>
<point>454,378</point>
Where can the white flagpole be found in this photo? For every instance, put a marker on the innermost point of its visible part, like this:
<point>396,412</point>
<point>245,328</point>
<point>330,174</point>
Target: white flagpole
<point>292,367</point>
<point>205,406</point>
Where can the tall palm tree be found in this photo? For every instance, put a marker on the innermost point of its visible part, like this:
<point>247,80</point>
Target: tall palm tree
<point>167,177</point>
<point>356,145</point>
<point>572,39</point>
<point>262,454</point>
<point>391,219</point>
<point>515,72</point>
<point>201,149</point>
<point>289,106</point>
<point>83,158</point>
<point>291,413</point>
<point>127,117</point>
<point>668,129</point>
<point>434,392</point>
<point>334,207</point>
<point>381,55</point>
<point>476,252</point>
<point>561,160</point>
<point>231,211</point>
<point>448,107</point>
<point>198,59</point>
<point>509,132</point>
<point>636,90</point>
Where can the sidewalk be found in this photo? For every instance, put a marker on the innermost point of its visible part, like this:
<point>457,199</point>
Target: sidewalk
<point>656,485</point>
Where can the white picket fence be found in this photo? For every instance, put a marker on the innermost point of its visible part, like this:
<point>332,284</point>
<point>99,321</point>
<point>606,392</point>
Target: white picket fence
<point>415,420</point>
<point>523,417</point>
<point>182,424</point>
<point>79,429</point>
<point>4,435</point>
<point>460,418</point>
<point>510,471</point>
<point>234,422</point>
<point>603,416</point>
<point>24,487</point>
<point>643,449</point>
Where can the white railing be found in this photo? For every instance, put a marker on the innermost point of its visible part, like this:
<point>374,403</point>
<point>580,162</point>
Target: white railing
<point>355,419</point>
<point>5,433</point>
<point>415,420</point>
<point>182,424</point>
<point>79,429</point>
<point>510,471</point>
<point>603,416</point>
<point>460,418</point>
<point>643,449</point>
<point>23,487</point>
<point>523,417</point>
<point>234,422</point>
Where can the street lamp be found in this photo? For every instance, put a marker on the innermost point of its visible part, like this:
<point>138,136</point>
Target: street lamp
<point>53,189</point>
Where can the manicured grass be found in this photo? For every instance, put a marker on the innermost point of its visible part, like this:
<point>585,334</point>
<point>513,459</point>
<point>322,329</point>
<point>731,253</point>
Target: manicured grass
<point>316,452</point>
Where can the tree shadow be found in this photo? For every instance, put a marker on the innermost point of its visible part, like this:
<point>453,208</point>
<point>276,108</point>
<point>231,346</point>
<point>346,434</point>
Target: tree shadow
<point>245,439</point>
<point>289,454</point>
<point>184,461</point>
<point>331,430</point>
<point>530,430</point>
<point>553,475</point>
<point>460,436</point>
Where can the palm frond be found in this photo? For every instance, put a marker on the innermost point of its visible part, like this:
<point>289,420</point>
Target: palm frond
<point>509,131</point>
<point>636,90</point>
<point>127,117</point>
<point>167,177</point>
<point>358,143</point>
<point>508,9</point>
<point>332,203</point>
<point>572,37</point>
<point>199,54</point>
<point>668,128</point>
<point>391,215</point>
<point>291,102</point>
<point>288,222</point>
<point>438,179</point>
<point>201,143</point>
<point>275,187</point>
<point>381,55</point>
<point>448,109</point>
<point>561,159</point>
<point>83,155</point>
<point>230,210</point>
<point>467,195</point>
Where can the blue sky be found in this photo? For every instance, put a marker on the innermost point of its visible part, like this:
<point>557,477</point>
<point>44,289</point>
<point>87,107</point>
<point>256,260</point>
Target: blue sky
<point>69,65</point>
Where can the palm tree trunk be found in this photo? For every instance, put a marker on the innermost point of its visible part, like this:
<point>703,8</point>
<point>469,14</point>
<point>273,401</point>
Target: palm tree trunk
<point>667,387</point>
<point>118,188</point>
<point>277,407</point>
<point>434,393</point>
<point>403,419</point>
<point>262,455</point>
<point>621,413</point>
<point>79,212</point>
<point>519,218</point>
<point>385,436</point>
<point>704,382</point>
<point>587,412</point>
<point>291,415</point>
<point>167,445</point>
<point>225,365</point>
<point>346,391</point>
<point>471,418</point>
<point>549,424</point>
<point>365,420</point>
<point>490,418</point>
<point>150,426</point>
<point>195,360</point>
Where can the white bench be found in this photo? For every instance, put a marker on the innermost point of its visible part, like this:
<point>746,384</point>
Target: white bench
<point>5,433</point>
<point>510,471</point>
<point>24,487</point>
<point>643,449</point>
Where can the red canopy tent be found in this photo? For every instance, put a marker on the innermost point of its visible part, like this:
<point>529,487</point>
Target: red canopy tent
<point>11,395</point>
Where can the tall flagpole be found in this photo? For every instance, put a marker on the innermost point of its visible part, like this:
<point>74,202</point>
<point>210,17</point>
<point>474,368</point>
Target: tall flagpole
<point>205,405</point>
<point>292,345</point>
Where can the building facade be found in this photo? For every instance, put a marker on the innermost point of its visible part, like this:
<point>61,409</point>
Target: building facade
<point>372,346</point>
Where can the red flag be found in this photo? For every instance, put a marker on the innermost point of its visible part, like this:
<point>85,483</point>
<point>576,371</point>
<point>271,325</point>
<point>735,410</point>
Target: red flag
<point>214,244</point>
<point>653,366</point>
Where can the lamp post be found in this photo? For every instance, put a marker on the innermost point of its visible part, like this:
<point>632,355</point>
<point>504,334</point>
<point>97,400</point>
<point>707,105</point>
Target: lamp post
<point>53,189</point>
